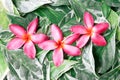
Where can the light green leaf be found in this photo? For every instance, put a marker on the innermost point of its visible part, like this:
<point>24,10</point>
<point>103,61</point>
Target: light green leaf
<point>22,67</point>
<point>105,56</point>
<point>3,17</point>
<point>56,72</point>
<point>26,6</point>
<point>85,70</point>
<point>113,18</point>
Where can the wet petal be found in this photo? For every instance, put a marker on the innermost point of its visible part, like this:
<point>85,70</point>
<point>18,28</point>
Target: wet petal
<point>72,38</point>
<point>15,43</point>
<point>56,33</point>
<point>38,38</point>
<point>72,50</point>
<point>88,20</point>
<point>98,39</point>
<point>78,29</point>
<point>32,26</point>
<point>101,27</point>
<point>58,57</point>
<point>82,41</point>
<point>17,30</point>
<point>48,45</point>
<point>29,50</point>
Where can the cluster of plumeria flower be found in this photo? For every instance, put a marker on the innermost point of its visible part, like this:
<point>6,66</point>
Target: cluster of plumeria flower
<point>81,35</point>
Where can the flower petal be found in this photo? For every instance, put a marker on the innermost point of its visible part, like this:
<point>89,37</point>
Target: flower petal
<point>72,50</point>
<point>101,27</point>
<point>56,33</point>
<point>15,43</point>
<point>98,39</point>
<point>29,49</point>
<point>32,26</point>
<point>38,38</point>
<point>82,41</point>
<point>17,30</point>
<point>72,38</point>
<point>58,56</point>
<point>88,19</point>
<point>48,45</point>
<point>78,29</point>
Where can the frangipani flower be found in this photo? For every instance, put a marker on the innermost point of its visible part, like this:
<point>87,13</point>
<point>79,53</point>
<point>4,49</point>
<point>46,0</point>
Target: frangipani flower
<point>89,30</point>
<point>27,38</point>
<point>59,45</point>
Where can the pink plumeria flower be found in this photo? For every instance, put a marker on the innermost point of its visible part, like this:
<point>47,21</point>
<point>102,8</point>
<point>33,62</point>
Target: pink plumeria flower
<point>89,30</point>
<point>59,45</point>
<point>27,38</point>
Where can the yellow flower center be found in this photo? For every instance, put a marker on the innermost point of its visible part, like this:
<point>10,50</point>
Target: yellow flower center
<point>26,37</point>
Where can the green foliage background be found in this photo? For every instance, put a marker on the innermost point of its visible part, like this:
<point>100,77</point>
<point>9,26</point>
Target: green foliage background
<point>95,63</point>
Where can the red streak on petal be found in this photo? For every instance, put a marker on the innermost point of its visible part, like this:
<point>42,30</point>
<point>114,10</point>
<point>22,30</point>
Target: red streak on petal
<point>26,37</point>
<point>60,44</point>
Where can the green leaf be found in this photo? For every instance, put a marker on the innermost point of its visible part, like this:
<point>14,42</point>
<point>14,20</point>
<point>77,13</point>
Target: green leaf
<point>78,8</point>
<point>3,66</point>
<point>53,14</point>
<point>20,20</point>
<point>22,67</point>
<point>26,6</point>
<point>105,56</point>
<point>85,69</point>
<point>59,2</point>
<point>56,72</point>
<point>114,74</point>
<point>106,10</point>
<point>113,18</point>
<point>3,17</point>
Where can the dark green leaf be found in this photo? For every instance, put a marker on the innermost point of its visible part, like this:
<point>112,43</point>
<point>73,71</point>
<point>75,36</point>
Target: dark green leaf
<point>59,2</point>
<point>104,56</point>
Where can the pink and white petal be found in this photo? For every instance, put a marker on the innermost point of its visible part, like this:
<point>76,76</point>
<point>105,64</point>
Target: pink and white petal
<point>101,27</point>
<point>58,56</point>
<point>29,49</point>
<point>82,41</point>
<point>98,39</point>
<point>71,39</point>
<point>56,33</point>
<point>38,38</point>
<point>48,45</point>
<point>78,29</point>
<point>88,20</point>
<point>15,43</point>
<point>17,30</point>
<point>32,27</point>
<point>72,50</point>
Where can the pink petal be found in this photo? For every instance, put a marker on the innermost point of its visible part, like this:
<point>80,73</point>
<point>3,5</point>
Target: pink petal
<point>82,41</point>
<point>29,50</point>
<point>72,38</point>
<point>72,50</point>
<point>48,45</point>
<point>32,26</point>
<point>101,27</point>
<point>88,19</point>
<point>38,38</point>
<point>98,39</point>
<point>56,33</point>
<point>17,30</point>
<point>78,29</point>
<point>58,56</point>
<point>15,43</point>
